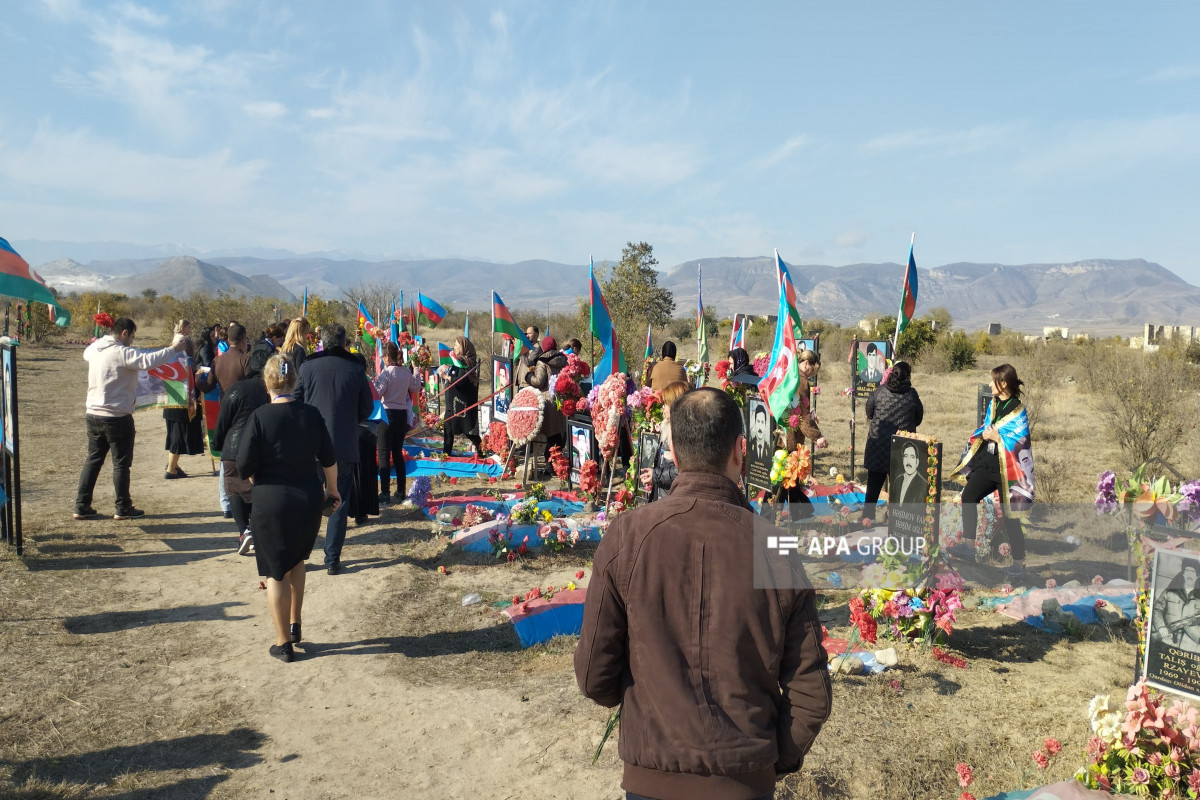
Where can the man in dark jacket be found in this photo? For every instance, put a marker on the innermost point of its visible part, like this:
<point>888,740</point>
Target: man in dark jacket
<point>710,640</point>
<point>334,381</point>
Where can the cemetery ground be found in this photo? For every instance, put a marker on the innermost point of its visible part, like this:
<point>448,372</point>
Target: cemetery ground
<point>134,654</point>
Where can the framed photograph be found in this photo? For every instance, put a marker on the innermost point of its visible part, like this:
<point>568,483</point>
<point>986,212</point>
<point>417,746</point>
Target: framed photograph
<point>760,441</point>
<point>1172,660</point>
<point>485,418</point>
<point>9,400</point>
<point>648,444</point>
<point>583,448</point>
<point>502,387</point>
<point>983,396</point>
<point>433,385</point>
<point>871,359</point>
<point>914,487</point>
<point>813,344</point>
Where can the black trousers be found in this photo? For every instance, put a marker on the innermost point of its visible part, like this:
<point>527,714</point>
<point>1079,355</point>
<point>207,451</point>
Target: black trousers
<point>448,441</point>
<point>107,435</point>
<point>979,485</point>
<point>875,481</point>
<point>390,442</point>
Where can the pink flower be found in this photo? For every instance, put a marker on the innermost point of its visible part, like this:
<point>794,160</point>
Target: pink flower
<point>1154,758</point>
<point>1005,549</point>
<point>1053,746</point>
<point>1097,581</point>
<point>1141,776</point>
<point>1041,759</point>
<point>1194,780</point>
<point>1051,583</point>
<point>965,774</point>
<point>1171,770</point>
<point>1006,588</point>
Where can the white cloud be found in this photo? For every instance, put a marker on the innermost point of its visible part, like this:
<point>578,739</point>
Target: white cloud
<point>784,151</point>
<point>266,109</point>
<point>136,13</point>
<point>950,142</point>
<point>654,164</point>
<point>850,239</point>
<point>321,113</point>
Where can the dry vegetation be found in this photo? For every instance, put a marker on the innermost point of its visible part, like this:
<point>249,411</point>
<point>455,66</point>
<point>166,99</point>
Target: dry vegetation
<point>135,664</point>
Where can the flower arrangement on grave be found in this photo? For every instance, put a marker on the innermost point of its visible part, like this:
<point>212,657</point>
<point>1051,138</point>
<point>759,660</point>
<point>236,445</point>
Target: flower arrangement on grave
<point>537,492</point>
<point>405,339</point>
<point>646,407</point>
<point>920,614</point>
<point>557,536</point>
<point>431,420</point>
<point>694,372</point>
<point>527,512</point>
<point>538,593</point>
<point>620,501</point>
<point>419,492</point>
<point>476,515</point>
<point>647,366</point>
<point>496,439</point>
<point>1145,748</point>
<point>761,363</point>
<point>103,320</point>
<point>589,479</point>
<point>525,416</point>
<point>559,463</point>
<point>791,469</point>
<point>567,392</point>
<point>608,411</point>
<point>501,541</point>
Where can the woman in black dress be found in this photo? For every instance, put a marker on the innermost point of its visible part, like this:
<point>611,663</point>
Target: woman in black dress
<point>185,434</point>
<point>462,377</point>
<point>279,453</point>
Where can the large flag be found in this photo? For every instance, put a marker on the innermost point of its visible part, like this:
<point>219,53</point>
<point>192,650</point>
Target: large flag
<point>602,328</point>
<point>18,280</point>
<point>787,291</point>
<point>504,324</point>
<point>908,299</point>
<point>701,328</point>
<point>395,322</point>
<point>367,324</point>
<point>778,387</point>
<point>168,386</point>
<point>429,310</point>
<point>649,345</point>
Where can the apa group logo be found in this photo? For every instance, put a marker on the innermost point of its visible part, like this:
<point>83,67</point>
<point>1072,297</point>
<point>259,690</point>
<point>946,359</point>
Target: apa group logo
<point>822,546</point>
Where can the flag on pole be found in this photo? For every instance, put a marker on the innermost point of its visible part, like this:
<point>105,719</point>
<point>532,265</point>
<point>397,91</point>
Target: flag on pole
<point>602,328</point>
<point>18,280</point>
<point>649,346</point>
<point>412,317</point>
<point>395,321</point>
<point>304,304</point>
<point>367,324</point>
<point>738,337</point>
<point>429,310</point>
<point>908,298</point>
<point>787,291</point>
<point>779,386</point>
<point>467,325</point>
<point>504,324</point>
<point>701,328</point>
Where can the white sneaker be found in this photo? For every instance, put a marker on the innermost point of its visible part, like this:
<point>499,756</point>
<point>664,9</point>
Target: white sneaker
<point>246,543</point>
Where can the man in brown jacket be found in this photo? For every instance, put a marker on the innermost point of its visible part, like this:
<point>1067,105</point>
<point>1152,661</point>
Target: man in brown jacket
<point>667,371</point>
<point>709,640</point>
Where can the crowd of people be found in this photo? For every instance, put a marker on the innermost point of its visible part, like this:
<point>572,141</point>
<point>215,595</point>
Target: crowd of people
<point>673,582</point>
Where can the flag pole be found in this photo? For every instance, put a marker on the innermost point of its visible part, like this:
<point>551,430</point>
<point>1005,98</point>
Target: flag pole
<point>900,312</point>
<point>591,309</point>
<point>493,303</point>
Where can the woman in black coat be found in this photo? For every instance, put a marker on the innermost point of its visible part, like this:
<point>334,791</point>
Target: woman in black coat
<point>462,379</point>
<point>894,406</point>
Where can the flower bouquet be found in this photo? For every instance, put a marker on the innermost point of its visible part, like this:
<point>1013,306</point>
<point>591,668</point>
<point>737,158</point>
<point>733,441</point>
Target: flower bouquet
<point>476,515</point>
<point>525,416</point>
<point>556,536</point>
<point>103,320</point>
<point>646,407</point>
<point>496,439</point>
<point>608,411</point>
<point>791,469</point>
<point>1148,499</point>
<point>420,358</point>
<point>558,461</point>
<point>589,479</point>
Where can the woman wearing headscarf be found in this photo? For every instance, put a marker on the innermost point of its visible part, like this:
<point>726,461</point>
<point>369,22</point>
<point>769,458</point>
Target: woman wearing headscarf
<point>185,433</point>
<point>993,462</point>
<point>895,406</point>
<point>740,362</point>
<point>461,377</point>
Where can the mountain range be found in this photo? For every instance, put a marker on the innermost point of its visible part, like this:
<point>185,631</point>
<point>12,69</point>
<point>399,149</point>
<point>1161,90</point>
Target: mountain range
<point>1100,296</point>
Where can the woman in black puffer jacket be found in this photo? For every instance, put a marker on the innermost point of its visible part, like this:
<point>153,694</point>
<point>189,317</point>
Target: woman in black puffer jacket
<point>894,406</point>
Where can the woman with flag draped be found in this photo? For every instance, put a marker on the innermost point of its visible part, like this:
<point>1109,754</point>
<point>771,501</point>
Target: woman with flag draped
<point>461,377</point>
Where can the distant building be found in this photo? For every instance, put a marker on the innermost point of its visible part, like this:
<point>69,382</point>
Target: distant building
<point>993,329</point>
<point>1054,333</point>
<point>1157,334</point>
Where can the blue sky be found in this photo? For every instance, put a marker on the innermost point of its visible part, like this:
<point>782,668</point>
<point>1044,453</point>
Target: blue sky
<point>1006,132</point>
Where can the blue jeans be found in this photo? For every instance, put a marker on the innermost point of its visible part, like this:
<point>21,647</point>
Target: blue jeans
<point>107,435</point>
<point>224,498</point>
<point>335,529</point>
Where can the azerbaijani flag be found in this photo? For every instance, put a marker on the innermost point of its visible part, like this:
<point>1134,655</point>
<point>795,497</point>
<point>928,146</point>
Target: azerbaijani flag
<point>504,324</point>
<point>701,328</point>
<point>429,310</point>
<point>444,354</point>
<point>18,280</point>
<point>168,386</point>
<point>908,299</point>
<point>395,325</point>
<point>367,324</point>
<point>211,407</point>
<point>778,387</point>
<point>787,290</point>
<point>602,328</point>
<point>737,338</point>
<point>304,305</point>
<point>649,346</point>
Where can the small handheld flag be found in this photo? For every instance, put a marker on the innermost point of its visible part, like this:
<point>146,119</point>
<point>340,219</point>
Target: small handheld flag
<point>395,322</point>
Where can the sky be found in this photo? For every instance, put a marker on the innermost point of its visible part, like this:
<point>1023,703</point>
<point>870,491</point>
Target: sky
<point>1018,132</point>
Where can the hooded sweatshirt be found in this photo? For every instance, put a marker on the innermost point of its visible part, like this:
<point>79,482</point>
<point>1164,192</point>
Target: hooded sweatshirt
<point>113,374</point>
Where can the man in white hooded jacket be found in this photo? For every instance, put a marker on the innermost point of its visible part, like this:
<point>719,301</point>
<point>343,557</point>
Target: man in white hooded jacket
<point>113,366</point>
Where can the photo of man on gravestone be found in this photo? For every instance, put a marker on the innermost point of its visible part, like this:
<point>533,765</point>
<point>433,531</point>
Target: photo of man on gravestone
<point>909,486</point>
<point>760,442</point>
<point>1173,647</point>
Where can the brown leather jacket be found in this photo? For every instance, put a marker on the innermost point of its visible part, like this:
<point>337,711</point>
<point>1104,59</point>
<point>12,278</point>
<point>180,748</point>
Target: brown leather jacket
<point>666,372</point>
<point>725,686</point>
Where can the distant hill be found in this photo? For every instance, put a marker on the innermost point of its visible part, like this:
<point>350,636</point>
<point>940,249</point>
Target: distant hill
<point>1100,296</point>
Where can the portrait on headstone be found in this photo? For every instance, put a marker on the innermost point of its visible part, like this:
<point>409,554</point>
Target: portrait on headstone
<point>1172,660</point>
<point>871,359</point>
<point>760,442</point>
<point>914,486</point>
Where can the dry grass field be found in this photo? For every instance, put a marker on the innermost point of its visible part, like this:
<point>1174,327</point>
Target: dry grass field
<point>135,665</point>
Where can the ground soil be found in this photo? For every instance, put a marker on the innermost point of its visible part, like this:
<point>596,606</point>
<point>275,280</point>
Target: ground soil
<point>134,657</point>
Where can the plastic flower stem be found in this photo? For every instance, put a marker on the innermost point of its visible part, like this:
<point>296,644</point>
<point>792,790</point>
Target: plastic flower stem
<point>613,719</point>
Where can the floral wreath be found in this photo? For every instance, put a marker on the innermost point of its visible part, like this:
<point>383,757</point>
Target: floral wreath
<point>608,411</point>
<point>525,416</point>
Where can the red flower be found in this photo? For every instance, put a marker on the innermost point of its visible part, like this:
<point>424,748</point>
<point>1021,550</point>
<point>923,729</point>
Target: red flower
<point>453,481</point>
<point>1053,746</point>
<point>966,796</point>
<point>579,575</point>
<point>949,658</point>
<point>965,774</point>
<point>512,556</point>
<point>524,548</point>
<point>568,407</point>
<point>516,599</point>
<point>1041,759</point>
<point>537,592</point>
<point>492,479</point>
